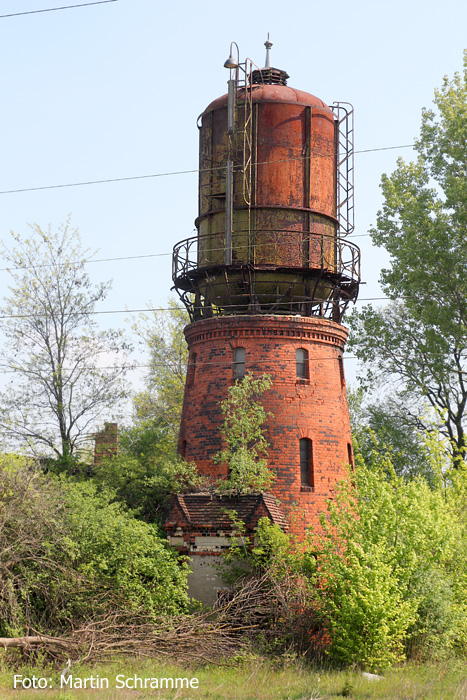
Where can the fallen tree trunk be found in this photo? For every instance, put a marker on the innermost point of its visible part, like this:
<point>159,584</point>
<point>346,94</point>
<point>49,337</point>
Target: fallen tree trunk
<point>31,642</point>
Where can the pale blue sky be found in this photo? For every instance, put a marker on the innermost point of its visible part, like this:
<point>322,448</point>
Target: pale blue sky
<point>114,90</point>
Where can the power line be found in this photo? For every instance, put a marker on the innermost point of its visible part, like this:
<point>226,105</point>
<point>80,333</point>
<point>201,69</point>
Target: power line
<point>315,154</point>
<point>222,363</point>
<point>225,363</point>
<point>86,262</point>
<point>137,257</point>
<point>100,260</point>
<point>54,9</point>
<point>153,310</point>
<point>180,172</point>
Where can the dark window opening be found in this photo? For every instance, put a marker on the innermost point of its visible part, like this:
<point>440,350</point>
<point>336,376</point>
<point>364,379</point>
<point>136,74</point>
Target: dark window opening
<point>191,369</point>
<point>349,455</point>
<point>307,477</point>
<point>341,371</point>
<point>301,361</point>
<point>239,363</point>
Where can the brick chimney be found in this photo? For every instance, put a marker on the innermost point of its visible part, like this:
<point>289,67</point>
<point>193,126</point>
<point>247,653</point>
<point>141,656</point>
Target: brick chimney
<point>106,443</point>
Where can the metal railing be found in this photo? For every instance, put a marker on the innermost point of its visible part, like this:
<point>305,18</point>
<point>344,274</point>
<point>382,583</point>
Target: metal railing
<point>285,249</point>
<point>271,272</point>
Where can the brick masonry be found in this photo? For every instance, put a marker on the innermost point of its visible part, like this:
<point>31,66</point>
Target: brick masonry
<point>106,443</point>
<point>315,408</point>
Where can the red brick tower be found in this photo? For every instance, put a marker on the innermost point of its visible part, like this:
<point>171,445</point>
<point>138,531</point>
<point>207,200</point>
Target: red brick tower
<point>268,277</point>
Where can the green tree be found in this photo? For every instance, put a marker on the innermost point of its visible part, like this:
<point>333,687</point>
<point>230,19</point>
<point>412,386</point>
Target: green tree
<point>57,392</point>
<point>162,334</point>
<point>419,341</point>
<point>146,471</point>
<point>243,433</point>
<point>382,426</point>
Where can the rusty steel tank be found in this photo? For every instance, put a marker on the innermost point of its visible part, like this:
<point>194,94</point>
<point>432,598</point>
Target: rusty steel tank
<point>268,222</point>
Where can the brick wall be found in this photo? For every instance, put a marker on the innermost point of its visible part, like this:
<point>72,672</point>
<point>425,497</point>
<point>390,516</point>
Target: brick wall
<point>314,408</point>
<point>106,442</point>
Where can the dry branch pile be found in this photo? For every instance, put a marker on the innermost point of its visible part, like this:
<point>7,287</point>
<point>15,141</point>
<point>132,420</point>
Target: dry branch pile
<point>277,613</point>
<point>208,636</point>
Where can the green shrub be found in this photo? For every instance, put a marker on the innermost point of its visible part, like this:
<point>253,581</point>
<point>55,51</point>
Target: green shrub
<point>119,553</point>
<point>392,568</point>
<point>146,484</point>
<point>69,553</point>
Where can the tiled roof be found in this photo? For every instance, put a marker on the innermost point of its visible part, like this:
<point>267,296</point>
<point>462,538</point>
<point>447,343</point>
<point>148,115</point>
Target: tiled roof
<point>212,510</point>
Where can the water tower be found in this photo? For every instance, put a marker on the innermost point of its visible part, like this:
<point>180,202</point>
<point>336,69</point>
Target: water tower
<point>268,276</point>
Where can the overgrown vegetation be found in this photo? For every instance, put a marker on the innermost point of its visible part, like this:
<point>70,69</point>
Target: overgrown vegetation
<point>146,471</point>
<point>69,553</point>
<point>382,580</point>
<point>243,434</point>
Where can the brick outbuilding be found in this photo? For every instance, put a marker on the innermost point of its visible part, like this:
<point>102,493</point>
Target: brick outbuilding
<point>201,525</point>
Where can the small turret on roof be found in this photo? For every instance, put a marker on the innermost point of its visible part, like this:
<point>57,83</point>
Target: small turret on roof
<point>269,75</point>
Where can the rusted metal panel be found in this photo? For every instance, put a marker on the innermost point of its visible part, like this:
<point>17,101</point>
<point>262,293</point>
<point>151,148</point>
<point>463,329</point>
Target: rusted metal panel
<point>294,165</point>
<point>286,256</point>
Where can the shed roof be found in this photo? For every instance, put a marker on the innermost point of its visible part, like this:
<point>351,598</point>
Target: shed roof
<point>213,511</point>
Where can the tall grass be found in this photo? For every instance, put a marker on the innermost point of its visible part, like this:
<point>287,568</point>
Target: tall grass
<point>252,678</point>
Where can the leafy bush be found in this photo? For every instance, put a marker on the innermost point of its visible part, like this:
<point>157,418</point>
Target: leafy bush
<point>272,553</point>
<point>388,556</point>
<point>118,553</point>
<point>364,607</point>
<point>68,553</point>
<point>384,577</point>
<point>146,487</point>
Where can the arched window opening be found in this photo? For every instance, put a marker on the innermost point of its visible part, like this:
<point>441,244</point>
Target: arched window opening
<point>341,371</point>
<point>191,369</point>
<point>349,455</point>
<point>301,361</point>
<point>239,363</point>
<point>307,477</point>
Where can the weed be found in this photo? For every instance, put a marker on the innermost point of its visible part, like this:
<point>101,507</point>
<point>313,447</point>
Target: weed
<point>348,689</point>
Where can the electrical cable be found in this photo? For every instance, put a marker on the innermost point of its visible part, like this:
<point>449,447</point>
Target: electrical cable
<point>179,308</point>
<point>135,257</point>
<point>86,262</point>
<point>132,367</point>
<point>54,9</point>
<point>292,360</point>
<point>180,172</point>
<point>224,363</point>
<point>99,260</point>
